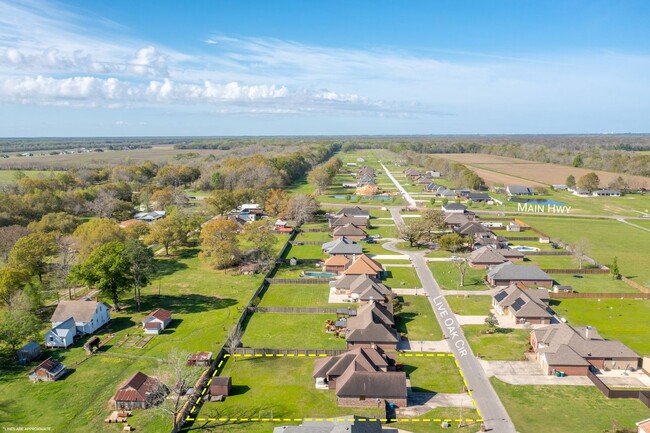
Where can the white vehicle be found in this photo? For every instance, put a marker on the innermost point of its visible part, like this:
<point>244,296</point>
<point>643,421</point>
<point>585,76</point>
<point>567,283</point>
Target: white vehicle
<point>645,215</point>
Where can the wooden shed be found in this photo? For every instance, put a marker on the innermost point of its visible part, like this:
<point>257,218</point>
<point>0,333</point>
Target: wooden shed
<point>199,359</point>
<point>220,386</point>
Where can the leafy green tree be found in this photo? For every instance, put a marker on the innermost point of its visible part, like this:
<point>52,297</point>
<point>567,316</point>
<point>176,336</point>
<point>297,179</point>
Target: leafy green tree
<point>31,253</point>
<point>221,201</point>
<point>9,235</point>
<point>220,243</point>
<point>589,182</point>
<point>58,222</point>
<point>169,232</point>
<point>492,323</point>
<point>276,202</point>
<point>12,282</point>
<point>570,181</point>
<point>97,232</point>
<point>320,177</point>
<point>577,161</point>
<point>18,325</point>
<point>413,230</point>
<point>140,258</point>
<point>614,270</point>
<point>108,269</point>
<point>452,242</point>
<point>260,235</point>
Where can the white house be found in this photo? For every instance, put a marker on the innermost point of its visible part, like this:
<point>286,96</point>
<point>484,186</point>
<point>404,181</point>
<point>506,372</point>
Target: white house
<point>150,216</point>
<point>88,316</point>
<point>158,320</point>
<point>61,335</point>
<point>606,193</point>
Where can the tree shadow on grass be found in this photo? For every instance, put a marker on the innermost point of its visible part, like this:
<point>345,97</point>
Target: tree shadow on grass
<point>181,304</point>
<point>166,267</point>
<point>402,319</point>
<point>239,390</point>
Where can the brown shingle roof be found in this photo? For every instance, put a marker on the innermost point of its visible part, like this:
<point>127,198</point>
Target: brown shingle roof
<point>337,261</point>
<point>364,265</point>
<point>137,388</point>
<point>348,230</point>
<point>160,314</point>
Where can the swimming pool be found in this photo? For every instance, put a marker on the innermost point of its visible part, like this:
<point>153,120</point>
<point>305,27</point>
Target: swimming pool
<point>320,274</point>
<point>524,248</point>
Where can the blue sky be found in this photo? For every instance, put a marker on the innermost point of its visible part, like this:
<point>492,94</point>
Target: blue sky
<point>80,68</point>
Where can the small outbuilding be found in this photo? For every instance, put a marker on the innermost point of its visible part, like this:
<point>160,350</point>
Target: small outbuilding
<point>29,352</point>
<point>220,386</point>
<point>49,370</point>
<point>158,320</point>
<point>199,359</point>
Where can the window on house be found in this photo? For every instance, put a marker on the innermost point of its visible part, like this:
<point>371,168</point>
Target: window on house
<point>362,397</point>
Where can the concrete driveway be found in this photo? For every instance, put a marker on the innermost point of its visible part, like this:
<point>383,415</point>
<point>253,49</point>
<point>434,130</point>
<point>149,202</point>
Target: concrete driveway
<point>528,373</point>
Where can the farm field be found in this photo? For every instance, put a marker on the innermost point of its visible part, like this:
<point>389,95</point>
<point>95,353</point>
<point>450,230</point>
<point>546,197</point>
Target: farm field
<point>573,408</point>
<point>469,305</point>
<point>417,319</point>
<point>507,345</point>
<point>615,319</point>
<point>607,238</point>
<point>505,169</point>
<point>290,331</point>
<point>7,176</point>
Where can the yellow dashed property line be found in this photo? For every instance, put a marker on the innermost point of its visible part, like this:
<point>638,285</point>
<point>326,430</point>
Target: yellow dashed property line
<point>384,420</point>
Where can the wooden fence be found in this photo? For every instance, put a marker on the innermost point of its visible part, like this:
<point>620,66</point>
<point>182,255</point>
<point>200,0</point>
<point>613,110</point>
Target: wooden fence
<point>643,396</point>
<point>293,310</point>
<point>522,238</point>
<point>307,243</point>
<point>250,351</point>
<point>297,280</point>
<point>586,271</point>
<point>548,253</point>
<point>635,285</point>
<point>563,295</point>
<point>316,230</point>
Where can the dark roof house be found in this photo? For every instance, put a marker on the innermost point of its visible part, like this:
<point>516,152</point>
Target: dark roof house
<point>507,273</point>
<point>139,392</point>
<point>523,305</point>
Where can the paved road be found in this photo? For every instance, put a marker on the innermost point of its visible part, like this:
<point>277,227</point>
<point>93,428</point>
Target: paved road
<point>491,409</point>
<point>405,194</point>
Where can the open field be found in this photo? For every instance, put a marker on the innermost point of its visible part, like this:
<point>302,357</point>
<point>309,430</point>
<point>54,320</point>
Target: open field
<point>8,176</point>
<point>290,331</point>
<point>506,345</point>
<point>469,305</point>
<point>561,409</point>
<point>593,283</point>
<point>295,295</point>
<point>607,238</point>
<point>205,304</point>
<point>448,277</point>
<point>506,169</point>
<point>417,319</point>
<point>449,414</point>
<point>616,319</point>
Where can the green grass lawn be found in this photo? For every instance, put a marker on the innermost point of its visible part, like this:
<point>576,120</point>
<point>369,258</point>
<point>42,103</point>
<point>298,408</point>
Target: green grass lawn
<point>398,277</point>
<point>205,303</point>
<point>468,305</point>
<point>561,409</point>
<point>406,246</point>
<point>439,254</point>
<point>552,262</point>
<point>593,283</point>
<point>300,296</point>
<point>417,319</point>
<point>304,252</point>
<point>616,319</point>
<point>448,277</point>
<point>313,236</point>
<point>277,387</point>
<point>607,238</point>
<point>320,225</point>
<point>9,176</point>
<point>378,213</point>
<point>509,345</point>
<point>383,231</point>
<point>290,331</point>
<point>376,248</point>
<point>432,373</point>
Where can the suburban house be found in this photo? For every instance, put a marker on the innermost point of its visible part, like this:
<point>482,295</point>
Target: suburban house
<point>574,349</point>
<point>454,208</point>
<point>523,305</point>
<point>478,197</point>
<point>485,257</point>
<point>507,273</point>
<point>471,228</point>
<point>519,190</point>
<point>62,335</point>
<point>643,426</point>
<point>447,193</point>
<point>355,211</point>
<point>362,288</point>
<point>364,265</point>
<point>339,221</point>
<point>342,424</point>
<point>158,320</point>
<point>456,220</point>
<point>606,193</point>
<point>349,231</point>
<point>48,371</point>
<point>150,217</point>
<point>342,247</point>
<point>362,377</point>
<point>336,264</point>
<point>139,392</point>
<point>373,326</point>
<point>28,352</point>
<point>511,255</point>
<point>489,239</point>
<point>88,316</point>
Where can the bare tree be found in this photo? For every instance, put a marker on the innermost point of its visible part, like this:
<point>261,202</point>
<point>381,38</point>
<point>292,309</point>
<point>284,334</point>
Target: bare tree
<point>104,204</point>
<point>461,264</point>
<point>174,379</point>
<point>9,235</point>
<point>301,208</point>
<point>67,259</point>
<point>234,335</point>
<point>413,230</point>
<point>580,248</point>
